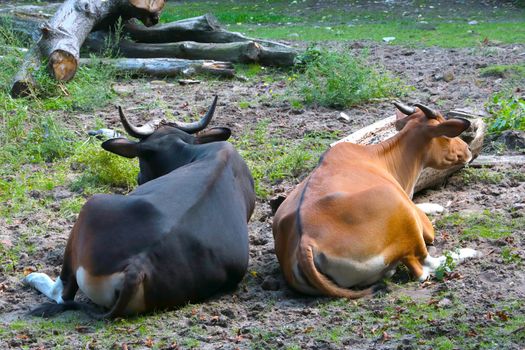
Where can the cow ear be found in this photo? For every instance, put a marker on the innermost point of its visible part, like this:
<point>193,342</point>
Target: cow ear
<point>121,146</point>
<point>450,128</point>
<point>212,135</point>
<point>401,120</point>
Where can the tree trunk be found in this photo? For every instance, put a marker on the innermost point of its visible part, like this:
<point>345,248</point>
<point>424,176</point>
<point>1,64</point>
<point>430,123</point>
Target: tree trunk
<point>63,35</point>
<point>204,29</point>
<point>164,67</point>
<point>384,129</point>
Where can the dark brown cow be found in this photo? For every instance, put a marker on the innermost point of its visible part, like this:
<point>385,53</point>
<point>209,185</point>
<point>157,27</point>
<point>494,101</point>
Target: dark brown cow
<point>180,237</point>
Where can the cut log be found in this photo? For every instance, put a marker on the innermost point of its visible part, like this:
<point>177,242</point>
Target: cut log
<point>236,52</point>
<point>385,129</point>
<point>492,161</point>
<point>203,29</point>
<point>62,36</point>
<point>24,81</point>
<point>164,67</point>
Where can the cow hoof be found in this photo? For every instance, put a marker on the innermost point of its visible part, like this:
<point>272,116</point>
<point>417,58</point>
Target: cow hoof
<point>430,208</point>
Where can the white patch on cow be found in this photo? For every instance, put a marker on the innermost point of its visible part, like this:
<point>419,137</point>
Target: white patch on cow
<point>348,272</point>
<point>430,208</point>
<point>45,285</point>
<point>430,264</point>
<point>102,290</point>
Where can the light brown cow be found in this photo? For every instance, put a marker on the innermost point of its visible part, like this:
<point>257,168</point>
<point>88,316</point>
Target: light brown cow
<point>352,221</point>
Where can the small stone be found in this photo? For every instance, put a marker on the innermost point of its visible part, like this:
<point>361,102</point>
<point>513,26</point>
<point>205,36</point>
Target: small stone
<point>448,76</point>
<point>473,23</point>
<point>189,82</point>
<point>343,117</point>
<point>445,302</point>
<point>388,39</point>
<point>122,89</point>
<point>228,313</point>
<point>35,194</point>
<point>60,193</point>
<point>270,283</point>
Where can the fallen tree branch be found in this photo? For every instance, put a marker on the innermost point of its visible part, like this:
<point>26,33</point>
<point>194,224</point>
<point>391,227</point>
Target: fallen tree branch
<point>204,29</point>
<point>164,67</point>
<point>491,161</point>
<point>236,52</point>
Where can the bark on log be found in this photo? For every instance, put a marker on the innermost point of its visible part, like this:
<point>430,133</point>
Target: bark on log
<point>24,81</point>
<point>164,67</point>
<point>62,36</point>
<point>491,161</point>
<point>204,29</point>
<point>236,52</point>
<point>384,129</point>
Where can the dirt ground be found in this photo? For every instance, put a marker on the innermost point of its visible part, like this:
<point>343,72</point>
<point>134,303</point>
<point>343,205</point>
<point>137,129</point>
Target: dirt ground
<point>263,312</point>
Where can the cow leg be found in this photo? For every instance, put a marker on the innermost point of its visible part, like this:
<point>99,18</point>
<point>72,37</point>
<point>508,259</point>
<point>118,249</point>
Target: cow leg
<point>428,229</point>
<point>429,265</point>
<point>45,285</point>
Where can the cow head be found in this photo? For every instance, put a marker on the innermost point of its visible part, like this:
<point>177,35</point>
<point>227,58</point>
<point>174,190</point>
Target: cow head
<point>164,146</point>
<point>442,146</point>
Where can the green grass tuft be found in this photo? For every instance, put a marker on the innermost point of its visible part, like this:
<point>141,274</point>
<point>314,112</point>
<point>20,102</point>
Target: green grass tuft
<point>507,112</point>
<point>342,80</point>
<point>272,158</point>
<point>504,71</point>
<point>102,168</point>
<point>482,225</point>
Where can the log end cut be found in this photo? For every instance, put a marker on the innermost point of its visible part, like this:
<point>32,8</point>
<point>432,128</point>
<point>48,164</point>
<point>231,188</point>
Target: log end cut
<point>62,65</point>
<point>22,88</point>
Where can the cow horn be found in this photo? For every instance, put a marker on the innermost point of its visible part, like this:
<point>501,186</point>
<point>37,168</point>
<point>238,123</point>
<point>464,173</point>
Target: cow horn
<point>194,127</point>
<point>404,108</point>
<point>137,131</point>
<point>429,112</point>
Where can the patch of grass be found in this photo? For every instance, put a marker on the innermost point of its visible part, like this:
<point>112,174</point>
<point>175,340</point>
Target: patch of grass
<point>272,158</point>
<point>420,25</point>
<point>249,70</point>
<point>509,256</point>
<point>244,104</point>
<point>341,80</point>
<point>230,12</point>
<point>507,112</point>
<point>480,175</point>
<point>504,71</point>
<point>17,186</point>
<point>483,225</point>
<point>448,266</point>
<point>102,168</point>
<point>448,35</point>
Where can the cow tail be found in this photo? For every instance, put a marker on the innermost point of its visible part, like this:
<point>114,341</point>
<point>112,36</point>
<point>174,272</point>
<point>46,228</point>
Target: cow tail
<point>133,278</point>
<point>322,283</point>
